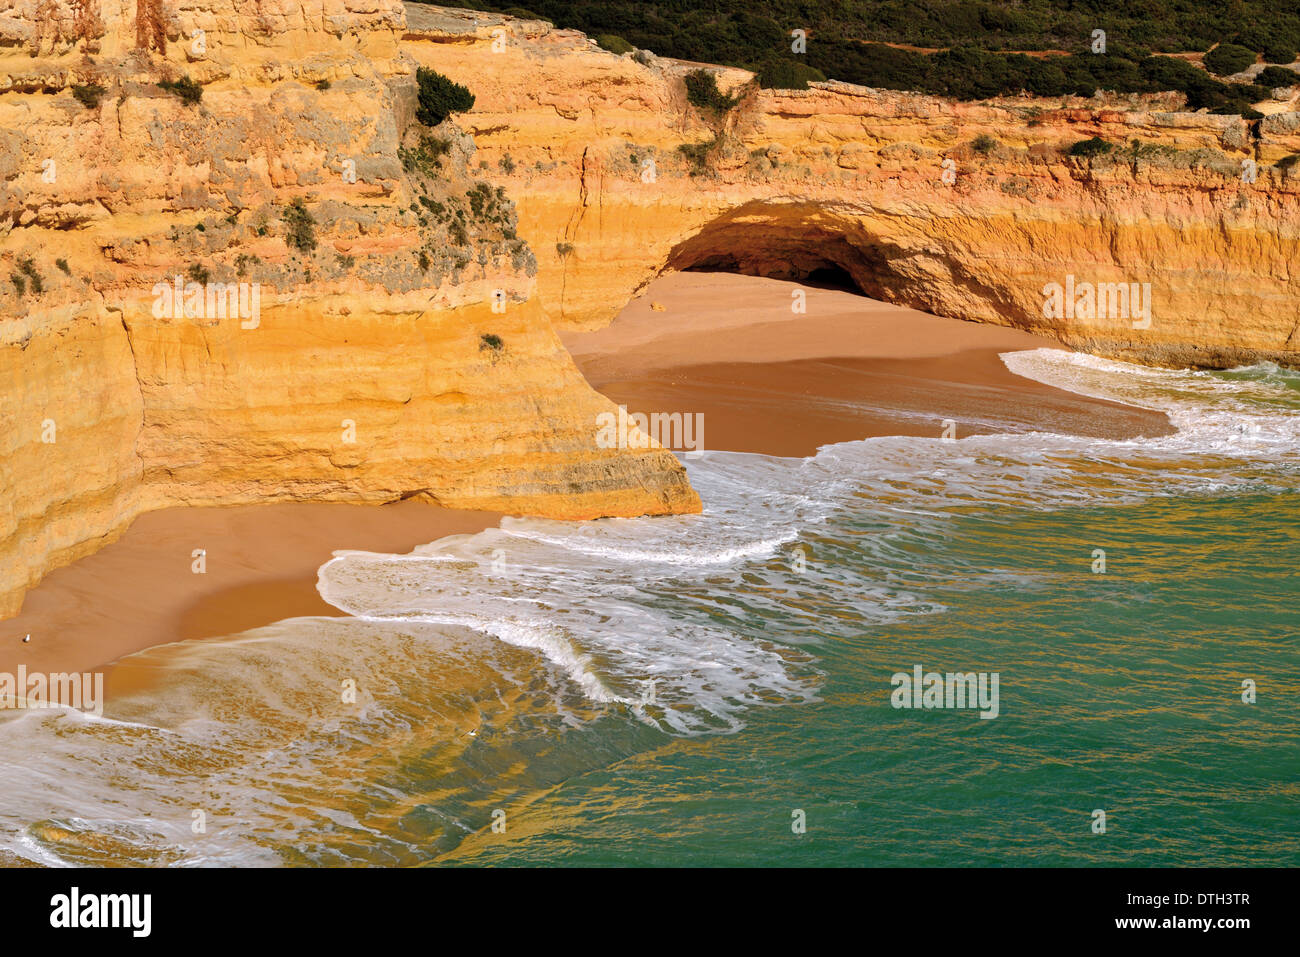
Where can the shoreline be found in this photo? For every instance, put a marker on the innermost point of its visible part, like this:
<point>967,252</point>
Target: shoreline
<point>781,384</point>
<point>260,567</point>
<point>848,368</point>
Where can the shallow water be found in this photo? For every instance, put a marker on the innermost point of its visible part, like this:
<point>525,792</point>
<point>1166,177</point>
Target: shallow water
<point>676,691</point>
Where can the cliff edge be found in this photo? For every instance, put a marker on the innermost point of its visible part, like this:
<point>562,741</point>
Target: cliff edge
<point>966,210</point>
<point>236,269</point>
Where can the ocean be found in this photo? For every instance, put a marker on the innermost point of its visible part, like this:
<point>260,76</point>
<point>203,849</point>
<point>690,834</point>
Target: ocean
<point>719,690</point>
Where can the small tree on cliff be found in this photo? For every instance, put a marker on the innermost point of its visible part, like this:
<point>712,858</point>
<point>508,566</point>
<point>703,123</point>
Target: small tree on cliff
<point>440,97</point>
<point>702,92</point>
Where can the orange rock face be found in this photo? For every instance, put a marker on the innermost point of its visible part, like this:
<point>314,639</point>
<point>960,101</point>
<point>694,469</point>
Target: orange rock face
<point>1200,212</point>
<point>382,343</point>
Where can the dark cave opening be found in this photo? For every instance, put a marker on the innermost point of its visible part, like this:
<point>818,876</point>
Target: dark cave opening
<point>804,267</point>
<point>832,276</point>
<point>826,275</point>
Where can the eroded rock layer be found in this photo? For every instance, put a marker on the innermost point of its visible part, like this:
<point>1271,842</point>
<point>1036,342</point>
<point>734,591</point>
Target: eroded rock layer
<point>618,177</point>
<point>356,318</point>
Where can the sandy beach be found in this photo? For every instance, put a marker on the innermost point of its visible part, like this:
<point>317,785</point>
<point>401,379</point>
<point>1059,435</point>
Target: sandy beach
<point>724,346</point>
<point>260,567</point>
<point>729,348</point>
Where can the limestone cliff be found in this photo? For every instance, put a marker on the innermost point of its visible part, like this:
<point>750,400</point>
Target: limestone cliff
<point>385,341</point>
<point>618,177</point>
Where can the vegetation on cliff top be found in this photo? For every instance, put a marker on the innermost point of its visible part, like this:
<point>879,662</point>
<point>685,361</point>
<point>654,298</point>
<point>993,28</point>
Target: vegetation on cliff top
<point>703,93</point>
<point>964,43</point>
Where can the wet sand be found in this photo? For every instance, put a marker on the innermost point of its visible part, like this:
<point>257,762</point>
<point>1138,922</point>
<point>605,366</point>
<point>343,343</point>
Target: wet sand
<point>726,346</point>
<point>260,561</point>
<point>767,380</point>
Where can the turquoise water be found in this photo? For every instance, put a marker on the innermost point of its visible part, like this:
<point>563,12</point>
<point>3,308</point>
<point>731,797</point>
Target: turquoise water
<point>1118,691</point>
<point>675,691</point>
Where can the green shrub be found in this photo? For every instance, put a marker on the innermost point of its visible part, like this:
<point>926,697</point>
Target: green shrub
<point>1275,76</point>
<point>613,43</point>
<point>788,75</point>
<point>63,266</point>
<point>189,91</point>
<point>88,95</point>
<point>1228,58</point>
<point>697,155</point>
<point>427,155</point>
<point>848,41</point>
<point>20,284</point>
<point>302,231</point>
<point>984,144</point>
<point>490,340</point>
<point>28,269</point>
<point>1279,50</point>
<point>198,273</point>
<point>439,97</point>
<point>1091,147</point>
<point>322,84</point>
<point>564,249</point>
<point>521,13</point>
<point>702,92</point>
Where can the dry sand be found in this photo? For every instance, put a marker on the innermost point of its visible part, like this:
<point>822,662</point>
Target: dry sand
<point>727,346</point>
<point>768,380</point>
<point>261,563</point>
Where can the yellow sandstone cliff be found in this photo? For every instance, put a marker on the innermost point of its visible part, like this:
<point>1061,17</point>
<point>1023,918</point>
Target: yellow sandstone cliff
<point>589,145</point>
<point>380,364</point>
<point>390,345</point>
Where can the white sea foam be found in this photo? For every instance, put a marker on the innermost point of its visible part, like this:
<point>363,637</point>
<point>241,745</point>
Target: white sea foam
<point>688,622</point>
<point>616,603</point>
